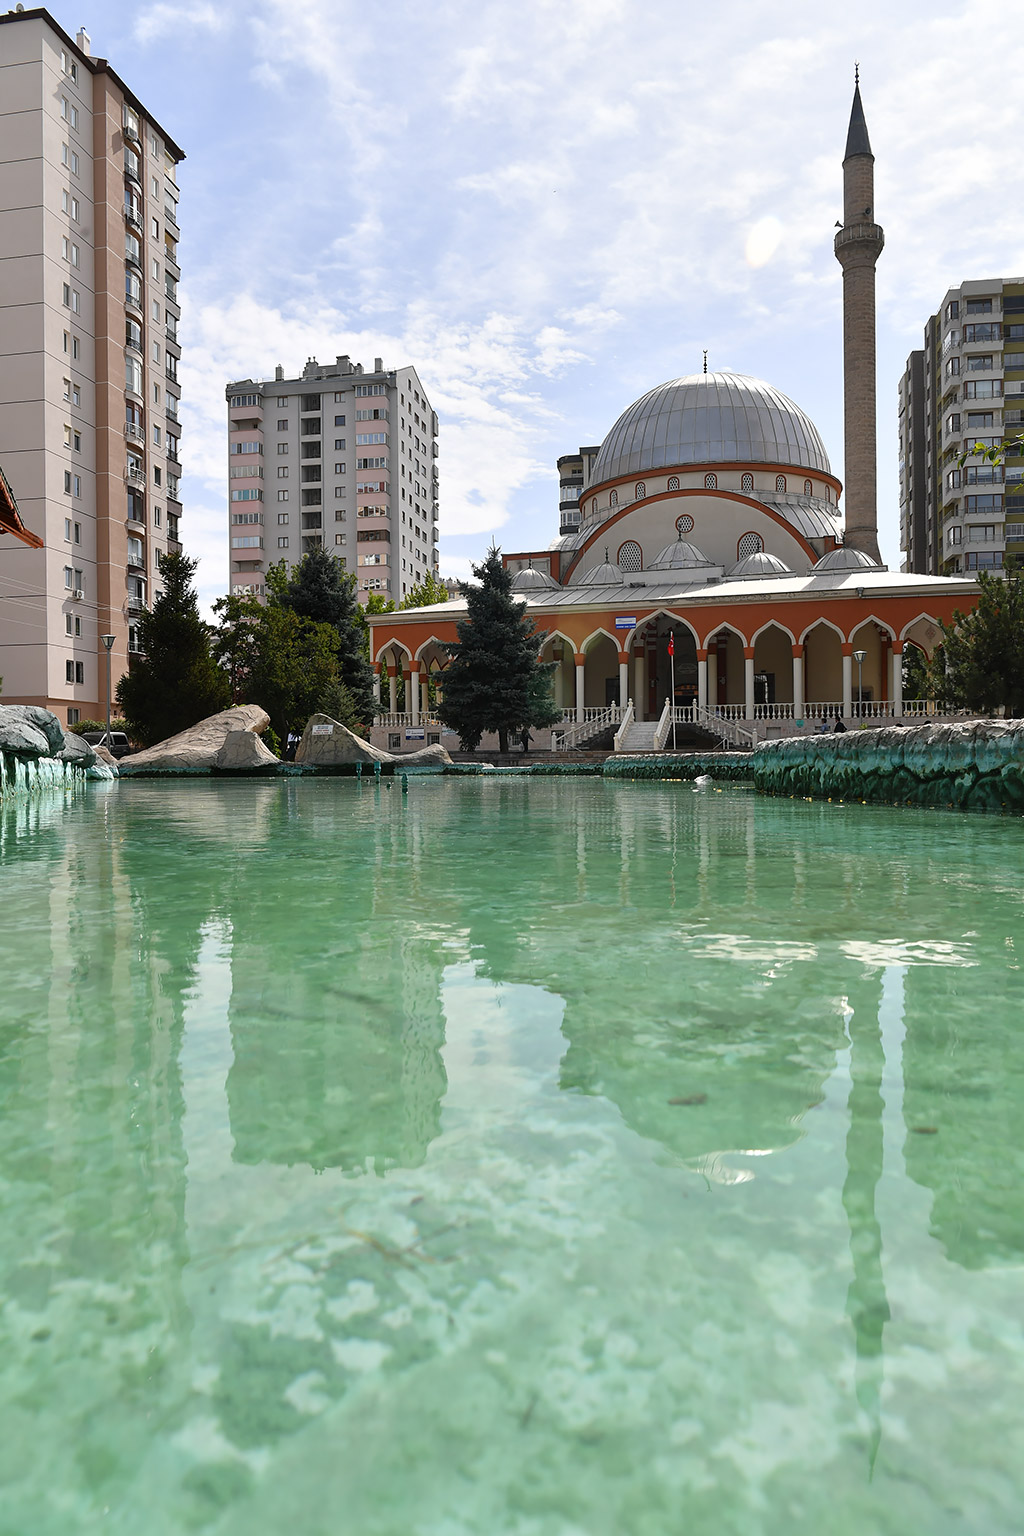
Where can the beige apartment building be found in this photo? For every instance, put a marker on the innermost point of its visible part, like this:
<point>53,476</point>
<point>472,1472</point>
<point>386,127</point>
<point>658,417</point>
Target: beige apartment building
<point>343,458</point>
<point>964,387</point>
<point>89,394</point>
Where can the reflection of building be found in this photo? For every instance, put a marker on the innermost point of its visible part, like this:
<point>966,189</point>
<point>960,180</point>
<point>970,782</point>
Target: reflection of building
<point>711,511</point>
<point>964,387</point>
<point>342,459</point>
<point>89,362</point>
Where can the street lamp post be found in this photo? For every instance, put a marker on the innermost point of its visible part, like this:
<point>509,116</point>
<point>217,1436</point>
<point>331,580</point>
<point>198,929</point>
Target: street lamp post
<point>858,657</point>
<point>108,643</point>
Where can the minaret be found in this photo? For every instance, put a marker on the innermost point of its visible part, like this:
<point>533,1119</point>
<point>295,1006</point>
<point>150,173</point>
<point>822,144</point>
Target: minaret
<point>858,246</point>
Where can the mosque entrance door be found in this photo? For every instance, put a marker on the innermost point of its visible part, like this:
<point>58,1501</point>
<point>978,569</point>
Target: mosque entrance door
<point>658,665</point>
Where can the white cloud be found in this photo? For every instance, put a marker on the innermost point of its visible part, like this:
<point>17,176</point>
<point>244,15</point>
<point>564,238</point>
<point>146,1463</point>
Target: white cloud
<point>163,20</point>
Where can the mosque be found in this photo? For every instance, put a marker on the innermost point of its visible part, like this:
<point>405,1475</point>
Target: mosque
<point>710,516</point>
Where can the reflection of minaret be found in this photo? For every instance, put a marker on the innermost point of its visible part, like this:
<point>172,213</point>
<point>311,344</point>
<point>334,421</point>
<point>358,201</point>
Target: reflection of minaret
<point>866,1303</point>
<point>858,246</point>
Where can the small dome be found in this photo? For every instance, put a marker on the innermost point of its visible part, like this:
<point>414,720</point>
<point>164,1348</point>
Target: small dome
<point>606,575</point>
<point>680,556</point>
<point>760,563</point>
<point>846,558</point>
<point>529,580</point>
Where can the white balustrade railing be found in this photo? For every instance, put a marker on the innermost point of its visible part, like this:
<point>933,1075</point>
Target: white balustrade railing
<point>593,723</point>
<point>725,727</point>
<point>397,720</point>
<point>664,726</point>
<point>624,725</point>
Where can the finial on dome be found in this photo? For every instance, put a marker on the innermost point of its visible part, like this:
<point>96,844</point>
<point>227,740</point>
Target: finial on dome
<point>705,359</point>
<point>606,560</point>
<point>856,71</point>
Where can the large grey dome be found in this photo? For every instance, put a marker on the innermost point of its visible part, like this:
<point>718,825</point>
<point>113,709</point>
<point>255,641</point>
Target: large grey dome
<point>710,418</point>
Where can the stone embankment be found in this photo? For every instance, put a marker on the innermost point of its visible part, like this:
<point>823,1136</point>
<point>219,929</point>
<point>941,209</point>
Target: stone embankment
<point>36,753</point>
<point>968,765</point>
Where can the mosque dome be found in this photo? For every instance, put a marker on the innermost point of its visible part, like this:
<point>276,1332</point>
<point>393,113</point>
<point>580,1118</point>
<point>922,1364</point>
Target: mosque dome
<point>680,556</point>
<point>846,558</point>
<point>529,580</point>
<point>761,563</point>
<point>606,575</point>
<point>710,418</point>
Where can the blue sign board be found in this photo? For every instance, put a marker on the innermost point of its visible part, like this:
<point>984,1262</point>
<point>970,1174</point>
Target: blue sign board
<point>627,621</point>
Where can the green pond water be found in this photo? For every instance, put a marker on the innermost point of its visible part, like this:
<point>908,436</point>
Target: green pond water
<point>523,1158</point>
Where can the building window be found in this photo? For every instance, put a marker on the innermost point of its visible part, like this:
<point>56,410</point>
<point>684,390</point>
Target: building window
<point>282,449</point>
<point>984,560</point>
<point>747,483</point>
<point>613,499</point>
<point>282,543</point>
<point>74,715</point>
<point>282,495</point>
<point>808,488</point>
<point>673,482</point>
<point>631,556</point>
<point>282,517</point>
<point>684,524</point>
<point>711,481</point>
<point>780,482</point>
<point>640,492</point>
<point>282,471</point>
<point>339,445</point>
<point>749,544</point>
<point>339,538</point>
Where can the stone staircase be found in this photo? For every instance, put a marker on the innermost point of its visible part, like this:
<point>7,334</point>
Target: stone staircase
<point>640,737</point>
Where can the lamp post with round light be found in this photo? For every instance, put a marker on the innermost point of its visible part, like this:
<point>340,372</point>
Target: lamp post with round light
<point>858,657</point>
<point>108,643</point>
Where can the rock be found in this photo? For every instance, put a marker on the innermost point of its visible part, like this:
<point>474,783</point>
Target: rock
<point>77,751</point>
<point>195,750</point>
<point>106,756</point>
<point>22,739</point>
<point>40,722</point>
<point>100,770</point>
<point>424,757</point>
<point>326,743</point>
<point>244,750</point>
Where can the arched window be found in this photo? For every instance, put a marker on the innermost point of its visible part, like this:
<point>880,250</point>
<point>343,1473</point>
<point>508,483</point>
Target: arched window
<point>749,544</point>
<point>684,524</point>
<point>641,490</point>
<point>613,498</point>
<point>631,557</point>
<point>747,483</point>
<point>711,481</point>
<point>780,482</point>
<point>673,482</point>
<point>808,488</point>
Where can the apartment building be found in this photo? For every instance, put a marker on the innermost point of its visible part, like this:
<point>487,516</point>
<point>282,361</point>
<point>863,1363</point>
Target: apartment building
<point>89,395</point>
<point>573,475</point>
<point>963,388</point>
<point>341,458</point>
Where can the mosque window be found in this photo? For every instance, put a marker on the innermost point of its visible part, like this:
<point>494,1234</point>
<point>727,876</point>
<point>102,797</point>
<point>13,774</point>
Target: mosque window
<point>641,492</point>
<point>780,482</point>
<point>711,481</point>
<point>631,556</point>
<point>613,498</point>
<point>808,488</point>
<point>673,482</point>
<point>684,524</point>
<point>747,483</point>
<point>749,544</point>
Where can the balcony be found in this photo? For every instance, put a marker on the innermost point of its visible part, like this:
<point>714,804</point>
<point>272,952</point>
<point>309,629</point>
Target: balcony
<point>133,175</point>
<point>173,546</point>
<point>134,305</point>
<point>172,458</point>
<point>136,478</point>
<point>172,335</point>
<point>131,134</point>
<point>171,220</point>
<point>135,522</point>
<point>135,604</point>
<point>134,433</point>
<point>171,267</point>
<point>133,219</point>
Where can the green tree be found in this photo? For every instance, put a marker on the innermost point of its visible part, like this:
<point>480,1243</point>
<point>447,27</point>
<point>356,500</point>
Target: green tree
<point>495,682</point>
<point>980,663</point>
<point>320,590</point>
<point>426,592</point>
<point>916,677</point>
<point>175,681</point>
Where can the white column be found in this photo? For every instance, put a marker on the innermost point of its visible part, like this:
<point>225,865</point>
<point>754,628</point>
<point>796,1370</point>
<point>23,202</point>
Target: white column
<point>847,687</point>
<point>426,696</point>
<point>413,691</point>
<point>640,683</point>
<point>376,686</point>
<point>580,686</point>
<point>798,687</point>
<point>623,683</point>
<point>748,687</point>
<point>392,691</point>
<point>896,691</point>
<point>702,681</point>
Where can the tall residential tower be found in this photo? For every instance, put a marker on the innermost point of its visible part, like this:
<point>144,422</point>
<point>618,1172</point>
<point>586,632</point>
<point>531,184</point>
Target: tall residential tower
<point>343,459</point>
<point>964,387</point>
<point>89,394</point>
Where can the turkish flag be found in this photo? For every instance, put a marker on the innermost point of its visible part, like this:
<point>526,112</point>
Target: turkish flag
<point>671,645</point>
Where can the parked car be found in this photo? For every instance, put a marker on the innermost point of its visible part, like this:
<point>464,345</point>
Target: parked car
<point>118,744</point>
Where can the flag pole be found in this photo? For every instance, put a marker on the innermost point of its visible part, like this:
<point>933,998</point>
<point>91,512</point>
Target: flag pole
<point>672,659</point>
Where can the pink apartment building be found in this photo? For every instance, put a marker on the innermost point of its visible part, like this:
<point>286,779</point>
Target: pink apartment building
<point>89,395</point>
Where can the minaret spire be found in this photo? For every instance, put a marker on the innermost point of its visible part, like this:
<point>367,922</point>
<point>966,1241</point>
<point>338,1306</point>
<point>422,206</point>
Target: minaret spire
<point>858,246</point>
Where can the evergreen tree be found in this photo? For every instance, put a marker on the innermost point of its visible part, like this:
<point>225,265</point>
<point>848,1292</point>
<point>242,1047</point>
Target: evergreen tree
<point>426,592</point>
<point>321,591</point>
<point>980,664</point>
<point>175,681</point>
<point>495,682</point>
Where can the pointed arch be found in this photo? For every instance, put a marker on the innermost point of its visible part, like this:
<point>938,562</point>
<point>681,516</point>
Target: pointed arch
<point>652,618</point>
<point>392,643</point>
<point>927,618</point>
<point>773,624</point>
<point>873,618</point>
<point>431,640</point>
<point>597,634</point>
<point>827,624</point>
<point>716,629</point>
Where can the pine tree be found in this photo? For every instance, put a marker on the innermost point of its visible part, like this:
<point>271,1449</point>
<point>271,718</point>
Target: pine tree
<point>980,663</point>
<point>320,590</point>
<point>175,681</point>
<point>495,682</point>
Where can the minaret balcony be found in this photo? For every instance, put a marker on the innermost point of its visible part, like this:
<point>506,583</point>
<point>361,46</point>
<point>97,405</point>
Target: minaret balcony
<point>865,236</point>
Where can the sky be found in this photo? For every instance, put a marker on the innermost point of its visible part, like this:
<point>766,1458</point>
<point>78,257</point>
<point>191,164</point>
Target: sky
<point>551,206</point>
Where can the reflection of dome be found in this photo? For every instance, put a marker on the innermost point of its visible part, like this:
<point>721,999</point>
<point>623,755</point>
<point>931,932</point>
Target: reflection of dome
<point>846,558</point>
<point>529,580</point>
<point>680,556</point>
<point>606,575</point>
<point>760,563</point>
<point>709,418</point>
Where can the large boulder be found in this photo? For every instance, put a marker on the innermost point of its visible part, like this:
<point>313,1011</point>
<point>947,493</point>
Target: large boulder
<point>77,751</point>
<point>244,751</point>
<point>196,750</point>
<point>28,730</point>
<point>327,744</point>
